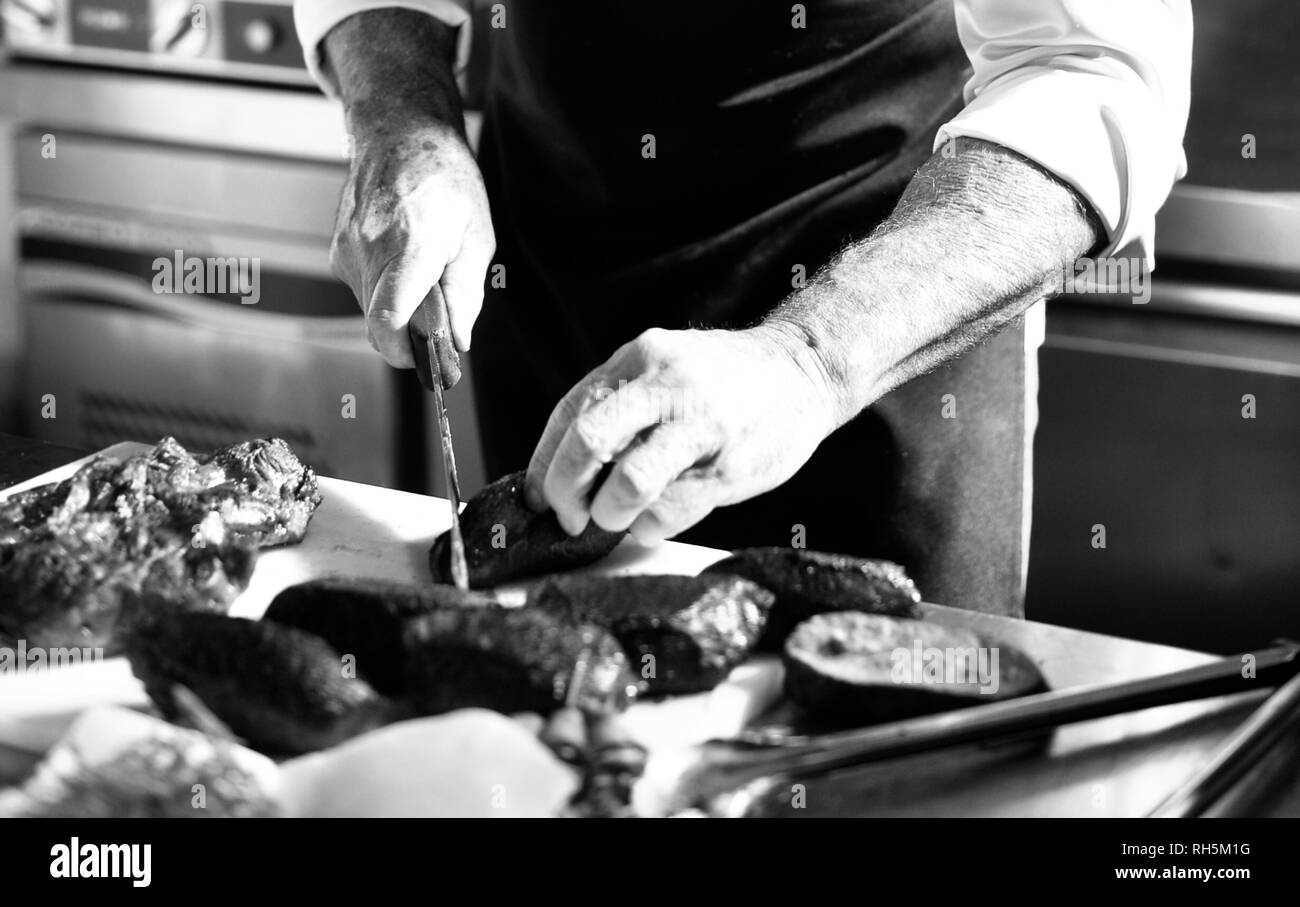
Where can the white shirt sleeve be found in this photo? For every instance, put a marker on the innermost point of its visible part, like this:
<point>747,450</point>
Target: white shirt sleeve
<point>1096,91</point>
<point>313,20</point>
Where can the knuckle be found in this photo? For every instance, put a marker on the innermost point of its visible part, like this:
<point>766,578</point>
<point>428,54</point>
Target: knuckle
<point>588,436</point>
<point>385,321</point>
<point>632,483</point>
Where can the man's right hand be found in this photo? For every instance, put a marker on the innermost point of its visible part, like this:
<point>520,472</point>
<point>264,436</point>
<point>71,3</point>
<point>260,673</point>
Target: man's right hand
<point>414,211</point>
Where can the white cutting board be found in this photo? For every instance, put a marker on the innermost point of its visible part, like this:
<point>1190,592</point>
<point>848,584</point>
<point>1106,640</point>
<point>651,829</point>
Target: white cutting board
<point>367,532</point>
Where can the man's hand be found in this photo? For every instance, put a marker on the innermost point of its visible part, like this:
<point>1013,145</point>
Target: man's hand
<point>414,212</point>
<point>677,423</point>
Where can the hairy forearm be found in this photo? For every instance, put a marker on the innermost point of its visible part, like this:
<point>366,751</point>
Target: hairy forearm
<point>977,237</point>
<point>390,63</point>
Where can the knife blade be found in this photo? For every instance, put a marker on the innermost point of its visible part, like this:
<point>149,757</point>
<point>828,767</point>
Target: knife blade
<point>438,366</point>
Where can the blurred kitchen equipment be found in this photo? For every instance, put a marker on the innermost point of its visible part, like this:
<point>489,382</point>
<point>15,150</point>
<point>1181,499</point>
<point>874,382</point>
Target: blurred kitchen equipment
<point>224,38</point>
<point>134,137</point>
<point>1174,422</point>
<point>736,764</point>
<point>1241,756</point>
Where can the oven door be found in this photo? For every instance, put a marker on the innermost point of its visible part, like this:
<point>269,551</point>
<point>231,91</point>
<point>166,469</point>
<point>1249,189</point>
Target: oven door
<point>119,346</point>
<point>108,360</point>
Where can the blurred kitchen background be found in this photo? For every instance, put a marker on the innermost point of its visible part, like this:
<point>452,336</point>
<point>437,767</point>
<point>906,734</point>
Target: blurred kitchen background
<point>126,133</point>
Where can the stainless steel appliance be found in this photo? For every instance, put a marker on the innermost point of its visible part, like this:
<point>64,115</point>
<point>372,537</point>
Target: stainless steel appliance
<point>1146,424</point>
<point>222,38</point>
<point>128,139</point>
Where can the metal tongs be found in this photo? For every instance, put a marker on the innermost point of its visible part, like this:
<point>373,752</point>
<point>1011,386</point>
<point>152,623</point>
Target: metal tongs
<point>726,766</point>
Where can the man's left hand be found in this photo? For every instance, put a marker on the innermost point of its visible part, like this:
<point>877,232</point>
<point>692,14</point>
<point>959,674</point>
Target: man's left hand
<point>677,423</point>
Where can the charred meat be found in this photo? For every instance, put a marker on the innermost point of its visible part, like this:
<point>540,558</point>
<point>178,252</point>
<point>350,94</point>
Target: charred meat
<point>511,660</point>
<point>807,583</point>
<point>856,668</point>
<point>280,689</point>
<point>683,634</point>
<point>505,540</point>
<point>365,620</point>
<point>163,529</point>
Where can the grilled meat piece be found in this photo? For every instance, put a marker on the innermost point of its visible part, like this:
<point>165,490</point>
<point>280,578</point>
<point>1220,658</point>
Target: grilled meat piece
<point>267,496</point>
<point>807,583</point>
<point>280,689</point>
<point>505,540</point>
<point>855,668</point>
<point>695,629</point>
<point>511,660</point>
<point>365,619</point>
<point>161,530</point>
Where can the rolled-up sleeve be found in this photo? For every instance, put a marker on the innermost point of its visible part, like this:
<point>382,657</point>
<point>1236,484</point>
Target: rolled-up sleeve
<point>1095,91</point>
<point>313,20</point>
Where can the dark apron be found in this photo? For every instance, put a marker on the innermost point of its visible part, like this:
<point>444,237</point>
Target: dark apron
<point>774,146</point>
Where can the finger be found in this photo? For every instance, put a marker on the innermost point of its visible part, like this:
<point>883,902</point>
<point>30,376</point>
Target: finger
<point>595,437</point>
<point>644,471</point>
<point>598,384</point>
<point>462,285</point>
<point>683,504</point>
<point>580,397</point>
<point>402,286</point>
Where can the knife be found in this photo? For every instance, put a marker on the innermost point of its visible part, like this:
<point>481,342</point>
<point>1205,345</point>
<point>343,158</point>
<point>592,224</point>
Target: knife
<point>438,365</point>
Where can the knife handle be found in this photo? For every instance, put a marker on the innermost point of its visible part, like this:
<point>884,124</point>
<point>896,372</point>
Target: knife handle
<point>431,321</point>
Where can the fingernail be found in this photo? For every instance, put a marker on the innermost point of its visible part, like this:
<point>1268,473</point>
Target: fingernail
<point>573,526</point>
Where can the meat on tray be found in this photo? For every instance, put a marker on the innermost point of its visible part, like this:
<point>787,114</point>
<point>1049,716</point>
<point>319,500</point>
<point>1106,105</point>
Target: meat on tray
<point>164,529</point>
<point>854,668</point>
<point>808,583</point>
<point>512,660</point>
<point>281,689</point>
<point>365,619</point>
<point>505,540</point>
<point>334,658</point>
<point>683,634</point>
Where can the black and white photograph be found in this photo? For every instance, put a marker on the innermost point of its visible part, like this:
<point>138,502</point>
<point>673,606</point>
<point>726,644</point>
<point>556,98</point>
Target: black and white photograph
<point>451,409</point>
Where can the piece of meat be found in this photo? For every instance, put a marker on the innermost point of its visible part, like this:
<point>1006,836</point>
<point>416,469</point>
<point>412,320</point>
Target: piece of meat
<point>512,660</point>
<point>365,620</point>
<point>807,583</point>
<point>80,559</point>
<point>268,495</point>
<point>280,689</point>
<point>683,634</point>
<point>505,540</point>
<point>854,668</point>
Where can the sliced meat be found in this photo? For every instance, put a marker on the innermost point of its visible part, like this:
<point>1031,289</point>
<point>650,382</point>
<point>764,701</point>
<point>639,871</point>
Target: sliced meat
<point>280,689</point>
<point>365,620</point>
<point>682,634</point>
<point>511,660</point>
<point>163,530</point>
<point>505,540</point>
<point>807,583</point>
<point>855,668</point>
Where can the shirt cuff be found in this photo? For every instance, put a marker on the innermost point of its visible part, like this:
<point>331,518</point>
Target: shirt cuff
<point>313,20</point>
<point>1093,132</point>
